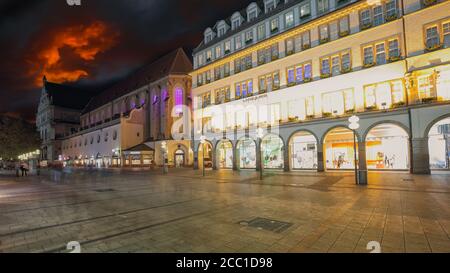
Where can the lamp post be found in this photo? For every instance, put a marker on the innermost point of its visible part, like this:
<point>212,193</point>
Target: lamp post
<point>260,134</point>
<point>202,142</point>
<point>164,149</point>
<point>354,125</point>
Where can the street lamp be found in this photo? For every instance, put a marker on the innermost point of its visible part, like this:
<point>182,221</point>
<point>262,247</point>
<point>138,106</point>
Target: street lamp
<point>202,142</point>
<point>260,134</point>
<point>354,125</point>
<point>164,148</point>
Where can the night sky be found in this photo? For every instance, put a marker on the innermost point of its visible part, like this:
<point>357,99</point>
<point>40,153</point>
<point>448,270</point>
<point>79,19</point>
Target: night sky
<point>93,45</point>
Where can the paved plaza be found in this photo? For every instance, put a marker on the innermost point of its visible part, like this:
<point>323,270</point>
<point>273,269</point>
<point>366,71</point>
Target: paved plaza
<point>145,211</point>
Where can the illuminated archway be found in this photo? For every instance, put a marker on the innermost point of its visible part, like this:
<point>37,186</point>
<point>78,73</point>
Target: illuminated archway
<point>387,148</point>
<point>339,152</point>
<point>205,157</point>
<point>439,145</point>
<point>303,151</point>
<point>246,153</point>
<point>224,153</point>
<point>272,149</point>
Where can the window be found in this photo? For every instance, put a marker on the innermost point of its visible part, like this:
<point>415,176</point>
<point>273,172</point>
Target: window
<point>383,95</point>
<point>323,32</point>
<point>432,37</point>
<point>394,51</point>
<point>298,74</point>
<point>344,26</point>
<point>261,32</point>
<point>205,99</point>
<point>325,67</point>
<point>218,52</point>
<point>244,89</point>
<point>269,82</point>
<point>242,64</point>
<point>221,31</point>
<point>222,95</point>
<point>368,56</point>
<point>289,19</point>
<point>227,47</point>
<point>208,38</point>
<point>238,42</point>
<point>236,23</point>
<point>378,15</point>
<point>249,36</point>
<point>366,19</point>
<point>268,54</point>
<point>338,103</point>
<point>380,53</point>
<point>346,62</point>
<point>208,55</point>
<point>305,40</point>
<point>252,15</point>
<point>270,6</point>
<point>322,6</point>
<point>178,101</point>
<point>305,10</point>
<point>391,9</point>
<point>335,65</point>
<point>290,47</point>
<point>446,34</point>
<point>309,106</point>
<point>274,25</point>
<point>200,59</point>
<point>426,88</point>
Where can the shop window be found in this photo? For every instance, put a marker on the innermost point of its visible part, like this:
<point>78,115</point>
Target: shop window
<point>303,149</point>
<point>272,149</point>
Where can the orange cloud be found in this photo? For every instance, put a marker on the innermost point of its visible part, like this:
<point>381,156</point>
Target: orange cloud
<point>85,41</point>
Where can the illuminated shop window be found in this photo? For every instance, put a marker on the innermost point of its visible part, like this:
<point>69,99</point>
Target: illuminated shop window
<point>246,150</point>
<point>272,149</point>
<point>338,149</point>
<point>439,145</point>
<point>225,154</point>
<point>303,149</point>
<point>387,148</point>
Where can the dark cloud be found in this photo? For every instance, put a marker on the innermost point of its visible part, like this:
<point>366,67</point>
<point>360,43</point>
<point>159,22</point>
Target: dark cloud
<point>126,35</point>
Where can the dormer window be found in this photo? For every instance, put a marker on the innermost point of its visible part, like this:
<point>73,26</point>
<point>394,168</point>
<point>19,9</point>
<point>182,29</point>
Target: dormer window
<point>236,24</point>
<point>221,32</point>
<point>209,35</point>
<point>252,15</point>
<point>270,5</point>
<point>208,38</point>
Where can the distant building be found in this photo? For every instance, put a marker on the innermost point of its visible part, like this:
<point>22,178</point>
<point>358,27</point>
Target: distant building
<point>58,116</point>
<point>126,124</point>
<point>300,69</point>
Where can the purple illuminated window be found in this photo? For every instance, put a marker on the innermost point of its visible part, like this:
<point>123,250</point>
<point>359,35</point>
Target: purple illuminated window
<point>178,100</point>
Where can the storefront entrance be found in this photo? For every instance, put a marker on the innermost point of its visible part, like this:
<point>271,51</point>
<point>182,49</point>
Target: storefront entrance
<point>439,145</point>
<point>179,158</point>
<point>246,152</point>
<point>225,155</point>
<point>339,151</point>
<point>303,151</point>
<point>272,150</point>
<point>387,148</point>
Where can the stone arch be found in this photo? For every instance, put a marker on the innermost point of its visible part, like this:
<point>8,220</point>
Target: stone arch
<point>394,122</point>
<point>327,132</point>
<point>249,162</point>
<point>314,156</point>
<point>277,158</point>
<point>432,123</point>
<point>226,165</point>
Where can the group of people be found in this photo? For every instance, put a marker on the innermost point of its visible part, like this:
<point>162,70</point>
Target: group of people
<point>22,168</point>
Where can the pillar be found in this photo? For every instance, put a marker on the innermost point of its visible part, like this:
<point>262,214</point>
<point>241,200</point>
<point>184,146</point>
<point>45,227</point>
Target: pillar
<point>320,159</point>
<point>286,159</point>
<point>214,158</point>
<point>236,159</point>
<point>420,156</point>
<point>258,154</point>
<point>362,163</point>
<point>195,160</point>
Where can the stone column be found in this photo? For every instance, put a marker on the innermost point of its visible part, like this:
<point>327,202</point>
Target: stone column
<point>236,160</point>
<point>320,159</point>
<point>362,164</point>
<point>195,160</point>
<point>286,159</point>
<point>258,154</point>
<point>214,158</point>
<point>420,156</point>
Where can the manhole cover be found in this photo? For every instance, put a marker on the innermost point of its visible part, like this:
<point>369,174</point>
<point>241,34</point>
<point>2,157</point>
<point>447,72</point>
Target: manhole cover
<point>104,190</point>
<point>267,224</point>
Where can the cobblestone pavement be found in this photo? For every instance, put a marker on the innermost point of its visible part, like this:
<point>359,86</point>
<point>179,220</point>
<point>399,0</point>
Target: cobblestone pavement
<point>145,211</point>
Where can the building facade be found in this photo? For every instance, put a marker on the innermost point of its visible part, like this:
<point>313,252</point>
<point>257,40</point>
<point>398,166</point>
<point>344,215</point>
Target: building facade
<point>299,69</point>
<point>58,116</point>
<point>127,124</point>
